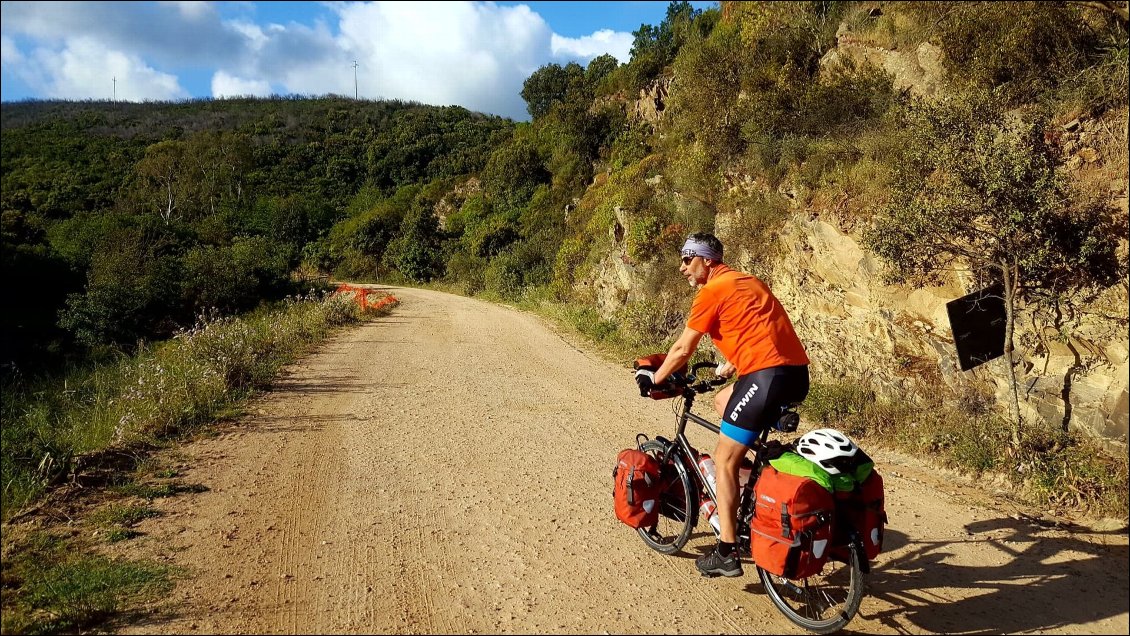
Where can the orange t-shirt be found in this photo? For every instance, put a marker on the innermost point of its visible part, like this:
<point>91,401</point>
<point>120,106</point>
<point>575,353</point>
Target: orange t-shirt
<point>746,322</point>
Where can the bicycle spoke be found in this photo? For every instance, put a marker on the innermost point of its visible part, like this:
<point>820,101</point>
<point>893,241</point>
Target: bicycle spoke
<point>673,527</point>
<point>823,603</point>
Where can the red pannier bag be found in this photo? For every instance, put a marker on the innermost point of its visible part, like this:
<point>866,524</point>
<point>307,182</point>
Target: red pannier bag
<point>636,486</point>
<point>792,525</point>
<point>863,508</point>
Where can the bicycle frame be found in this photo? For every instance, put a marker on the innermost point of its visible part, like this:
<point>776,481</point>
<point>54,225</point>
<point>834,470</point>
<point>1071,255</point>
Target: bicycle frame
<point>686,451</point>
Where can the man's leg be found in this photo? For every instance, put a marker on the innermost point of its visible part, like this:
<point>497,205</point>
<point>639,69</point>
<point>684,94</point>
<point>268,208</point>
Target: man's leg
<point>727,460</point>
<point>742,402</point>
<point>724,560</point>
<point>722,398</point>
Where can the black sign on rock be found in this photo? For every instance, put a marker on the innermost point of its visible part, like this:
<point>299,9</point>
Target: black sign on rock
<point>978,322</point>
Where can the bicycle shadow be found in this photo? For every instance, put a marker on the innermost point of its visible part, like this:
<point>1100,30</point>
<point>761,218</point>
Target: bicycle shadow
<point>1030,579</point>
<point>703,543</point>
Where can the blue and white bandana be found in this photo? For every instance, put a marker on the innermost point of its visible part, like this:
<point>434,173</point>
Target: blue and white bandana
<point>698,248</point>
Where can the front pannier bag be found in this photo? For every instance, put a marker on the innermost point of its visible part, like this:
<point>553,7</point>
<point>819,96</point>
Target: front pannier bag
<point>636,488</point>
<point>792,525</point>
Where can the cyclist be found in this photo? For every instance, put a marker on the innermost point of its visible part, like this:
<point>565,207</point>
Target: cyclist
<point>752,331</point>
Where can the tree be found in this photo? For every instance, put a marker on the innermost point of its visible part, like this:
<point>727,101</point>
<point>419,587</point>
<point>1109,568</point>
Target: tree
<point>551,84</point>
<point>373,222</point>
<point>513,171</point>
<point>708,105</point>
<point>417,252</point>
<point>133,285</point>
<point>666,39</point>
<point>164,169</point>
<point>978,189</point>
<point>599,67</point>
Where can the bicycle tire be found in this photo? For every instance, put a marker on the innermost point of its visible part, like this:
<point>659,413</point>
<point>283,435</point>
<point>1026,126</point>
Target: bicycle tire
<point>823,603</point>
<point>678,507</point>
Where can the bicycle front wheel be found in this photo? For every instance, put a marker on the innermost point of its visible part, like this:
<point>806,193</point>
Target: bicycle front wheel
<point>678,503</point>
<point>823,603</point>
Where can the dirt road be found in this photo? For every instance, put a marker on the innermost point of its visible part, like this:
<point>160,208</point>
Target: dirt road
<point>447,469</point>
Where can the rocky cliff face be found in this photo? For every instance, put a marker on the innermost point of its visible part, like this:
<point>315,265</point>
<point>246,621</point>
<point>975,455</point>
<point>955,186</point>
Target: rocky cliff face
<point>1072,369</point>
<point>919,70</point>
<point>897,340</point>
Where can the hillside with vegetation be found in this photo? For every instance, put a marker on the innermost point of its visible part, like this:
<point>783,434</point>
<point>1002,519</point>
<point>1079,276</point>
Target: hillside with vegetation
<point>985,141</point>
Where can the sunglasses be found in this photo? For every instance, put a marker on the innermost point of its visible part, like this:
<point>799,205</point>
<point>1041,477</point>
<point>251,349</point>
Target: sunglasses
<point>687,259</point>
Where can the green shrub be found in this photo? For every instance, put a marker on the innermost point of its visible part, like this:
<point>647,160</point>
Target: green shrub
<point>629,147</point>
<point>642,240</point>
<point>758,218</point>
<point>1026,52</point>
<point>828,404</point>
<point>649,325</point>
<point>65,594</point>
<point>163,389</point>
<point>566,264</point>
<point>504,276</point>
<point>467,271</point>
<point>979,185</point>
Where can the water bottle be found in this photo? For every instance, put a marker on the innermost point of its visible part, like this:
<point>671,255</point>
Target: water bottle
<point>708,509</point>
<point>745,471</point>
<point>706,467</point>
<point>710,513</point>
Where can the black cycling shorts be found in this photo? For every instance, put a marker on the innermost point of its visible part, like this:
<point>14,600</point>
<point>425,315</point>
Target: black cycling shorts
<point>758,398</point>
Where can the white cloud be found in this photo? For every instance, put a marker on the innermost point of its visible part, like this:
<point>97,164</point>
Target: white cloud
<point>192,9</point>
<point>615,43</point>
<point>474,54</point>
<point>253,32</point>
<point>10,55</point>
<point>224,85</point>
<point>166,33</point>
<point>85,69</point>
<point>469,53</point>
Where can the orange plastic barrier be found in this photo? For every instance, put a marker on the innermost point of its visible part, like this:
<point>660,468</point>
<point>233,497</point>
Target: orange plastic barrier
<point>363,295</point>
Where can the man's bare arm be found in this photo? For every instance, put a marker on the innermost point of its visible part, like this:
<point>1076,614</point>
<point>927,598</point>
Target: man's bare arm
<point>680,352</point>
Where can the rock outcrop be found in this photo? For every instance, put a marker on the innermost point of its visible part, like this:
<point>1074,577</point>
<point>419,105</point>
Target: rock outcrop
<point>652,101</point>
<point>919,71</point>
<point>897,340</point>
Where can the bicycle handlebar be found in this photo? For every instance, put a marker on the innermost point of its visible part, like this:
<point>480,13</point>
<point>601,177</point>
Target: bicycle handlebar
<point>705,385</point>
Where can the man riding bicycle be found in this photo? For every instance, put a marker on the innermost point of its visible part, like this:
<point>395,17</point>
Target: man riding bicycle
<point>750,328</point>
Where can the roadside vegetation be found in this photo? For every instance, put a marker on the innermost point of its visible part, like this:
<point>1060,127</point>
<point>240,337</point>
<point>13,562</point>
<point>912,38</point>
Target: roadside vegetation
<point>55,583</point>
<point>80,448</point>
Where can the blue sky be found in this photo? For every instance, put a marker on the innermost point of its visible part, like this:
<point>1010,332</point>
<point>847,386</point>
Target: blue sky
<point>474,54</point>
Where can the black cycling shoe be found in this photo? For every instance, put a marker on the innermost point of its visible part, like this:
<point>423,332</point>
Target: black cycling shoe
<point>714,564</point>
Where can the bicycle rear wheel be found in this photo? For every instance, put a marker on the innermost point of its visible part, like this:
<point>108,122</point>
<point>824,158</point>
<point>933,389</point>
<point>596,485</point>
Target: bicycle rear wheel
<point>823,603</point>
<point>678,504</point>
